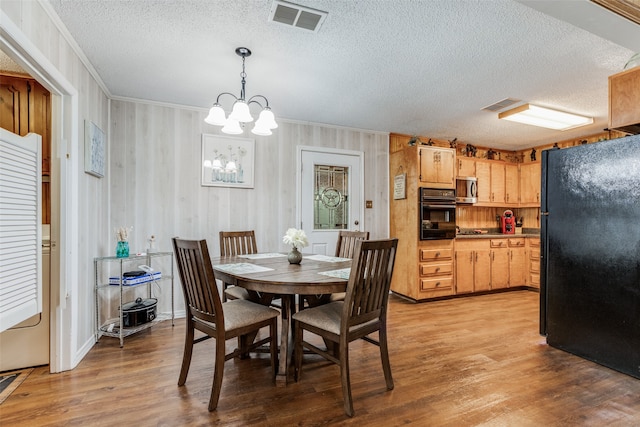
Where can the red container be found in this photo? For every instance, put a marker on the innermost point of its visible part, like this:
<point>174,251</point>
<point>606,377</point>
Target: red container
<point>508,223</point>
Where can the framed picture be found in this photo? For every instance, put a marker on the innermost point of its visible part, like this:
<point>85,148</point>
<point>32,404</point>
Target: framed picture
<point>227,161</point>
<point>94,146</point>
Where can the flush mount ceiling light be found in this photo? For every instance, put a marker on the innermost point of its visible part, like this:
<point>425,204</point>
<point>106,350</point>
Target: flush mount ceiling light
<point>544,117</point>
<point>240,113</point>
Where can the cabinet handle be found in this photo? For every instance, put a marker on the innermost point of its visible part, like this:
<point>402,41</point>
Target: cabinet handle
<point>437,254</point>
<point>437,269</point>
<point>471,257</point>
<point>437,284</point>
<point>476,256</point>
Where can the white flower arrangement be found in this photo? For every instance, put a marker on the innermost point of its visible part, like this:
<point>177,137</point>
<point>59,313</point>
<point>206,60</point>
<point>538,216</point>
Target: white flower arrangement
<point>122,233</point>
<point>296,238</point>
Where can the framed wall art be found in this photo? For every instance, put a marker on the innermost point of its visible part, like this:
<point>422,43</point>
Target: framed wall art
<point>94,149</point>
<point>227,161</point>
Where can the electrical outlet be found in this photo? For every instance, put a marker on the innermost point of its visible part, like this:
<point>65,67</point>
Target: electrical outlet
<point>368,204</point>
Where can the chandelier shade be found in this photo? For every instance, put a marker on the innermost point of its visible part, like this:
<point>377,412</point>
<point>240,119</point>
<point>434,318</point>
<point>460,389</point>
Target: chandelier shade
<point>240,112</point>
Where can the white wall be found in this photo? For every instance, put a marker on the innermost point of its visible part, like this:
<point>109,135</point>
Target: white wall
<point>154,175</point>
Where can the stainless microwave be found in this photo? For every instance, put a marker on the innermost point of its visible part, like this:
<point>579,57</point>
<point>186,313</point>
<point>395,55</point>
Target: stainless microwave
<point>466,189</point>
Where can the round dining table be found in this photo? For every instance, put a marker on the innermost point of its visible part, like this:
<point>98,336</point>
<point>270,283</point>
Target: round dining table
<point>268,276</point>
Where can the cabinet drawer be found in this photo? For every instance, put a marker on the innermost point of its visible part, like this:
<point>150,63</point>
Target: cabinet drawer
<point>535,267</point>
<point>535,254</point>
<point>517,243</point>
<point>435,254</point>
<point>436,269</point>
<point>499,243</point>
<point>534,279</point>
<point>436,283</point>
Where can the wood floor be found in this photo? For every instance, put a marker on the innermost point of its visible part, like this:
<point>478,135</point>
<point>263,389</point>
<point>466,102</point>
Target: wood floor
<point>463,362</point>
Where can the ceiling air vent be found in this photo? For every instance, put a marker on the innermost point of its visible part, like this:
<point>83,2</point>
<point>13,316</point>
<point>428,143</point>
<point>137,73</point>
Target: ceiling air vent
<point>501,105</point>
<point>297,16</point>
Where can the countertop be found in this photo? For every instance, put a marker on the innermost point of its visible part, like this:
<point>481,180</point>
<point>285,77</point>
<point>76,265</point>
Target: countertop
<point>496,234</point>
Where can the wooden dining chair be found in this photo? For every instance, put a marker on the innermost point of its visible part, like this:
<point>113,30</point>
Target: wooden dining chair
<point>345,248</point>
<point>346,245</point>
<point>236,243</point>
<point>363,312</point>
<point>221,321</point>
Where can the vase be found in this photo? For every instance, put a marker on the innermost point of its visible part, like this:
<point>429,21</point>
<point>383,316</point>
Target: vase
<point>294,256</point>
<point>122,249</point>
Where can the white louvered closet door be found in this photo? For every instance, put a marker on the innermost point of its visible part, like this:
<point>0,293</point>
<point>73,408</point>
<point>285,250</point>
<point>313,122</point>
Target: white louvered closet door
<point>20,231</point>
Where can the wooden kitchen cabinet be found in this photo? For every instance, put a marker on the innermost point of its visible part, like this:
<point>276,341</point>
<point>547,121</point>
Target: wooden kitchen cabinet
<point>624,101</point>
<point>518,261</point>
<point>512,184</point>
<point>498,190</point>
<point>437,167</point>
<point>473,266</point>
<point>533,244</point>
<point>530,183</point>
<point>499,263</point>
<point>423,268</point>
<point>491,183</point>
<point>466,166</point>
<point>483,173</point>
<point>436,268</point>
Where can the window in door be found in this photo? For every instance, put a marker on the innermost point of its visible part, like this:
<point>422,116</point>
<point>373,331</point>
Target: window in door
<point>331,210</point>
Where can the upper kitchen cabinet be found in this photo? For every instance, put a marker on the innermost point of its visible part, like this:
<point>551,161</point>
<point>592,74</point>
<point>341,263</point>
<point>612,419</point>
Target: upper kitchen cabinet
<point>624,101</point>
<point>466,166</point>
<point>437,167</point>
<point>530,184</point>
<point>491,183</point>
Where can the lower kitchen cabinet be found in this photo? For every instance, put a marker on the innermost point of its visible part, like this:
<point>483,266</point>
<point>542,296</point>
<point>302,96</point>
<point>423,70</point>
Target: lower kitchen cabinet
<point>518,261</point>
<point>499,263</point>
<point>533,244</point>
<point>483,264</point>
<point>473,266</point>
<point>435,268</point>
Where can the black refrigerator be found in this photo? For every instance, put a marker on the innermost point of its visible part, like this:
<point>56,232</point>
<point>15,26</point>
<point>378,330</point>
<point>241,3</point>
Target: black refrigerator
<point>590,252</point>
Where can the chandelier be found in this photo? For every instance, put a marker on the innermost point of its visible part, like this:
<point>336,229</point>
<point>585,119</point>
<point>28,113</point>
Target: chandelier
<point>240,113</point>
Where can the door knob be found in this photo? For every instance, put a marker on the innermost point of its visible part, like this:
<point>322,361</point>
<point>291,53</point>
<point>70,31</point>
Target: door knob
<point>356,222</point>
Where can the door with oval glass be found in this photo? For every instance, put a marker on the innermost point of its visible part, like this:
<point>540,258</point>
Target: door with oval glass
<point>330,196</point>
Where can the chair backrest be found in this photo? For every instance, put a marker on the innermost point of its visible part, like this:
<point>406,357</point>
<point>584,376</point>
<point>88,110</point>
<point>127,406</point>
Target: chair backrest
<point>369,282</point>
<point>201,295</point>
<point>238,243</point>
<point>345,248</point>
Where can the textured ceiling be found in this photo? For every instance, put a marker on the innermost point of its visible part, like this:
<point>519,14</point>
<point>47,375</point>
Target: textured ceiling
<point>409,66</point>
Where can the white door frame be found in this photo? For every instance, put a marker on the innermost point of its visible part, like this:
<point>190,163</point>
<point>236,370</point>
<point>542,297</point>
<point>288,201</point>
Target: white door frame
<point>359,181</point>
<point>64,190</point>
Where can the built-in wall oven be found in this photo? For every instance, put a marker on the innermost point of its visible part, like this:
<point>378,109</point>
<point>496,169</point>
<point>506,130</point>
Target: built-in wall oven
<point>437,213</point>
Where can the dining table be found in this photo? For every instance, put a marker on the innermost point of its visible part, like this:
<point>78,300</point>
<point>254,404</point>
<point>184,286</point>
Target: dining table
<point>270,276</point>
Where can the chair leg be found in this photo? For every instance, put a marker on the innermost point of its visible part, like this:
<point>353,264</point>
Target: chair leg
<point>273,346</point>
<point>298,350</point>
<point>224,294</point>
<point>218,371</point>
<point>188,351</point>
<point>345,378</point>
<point>384,356</point>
